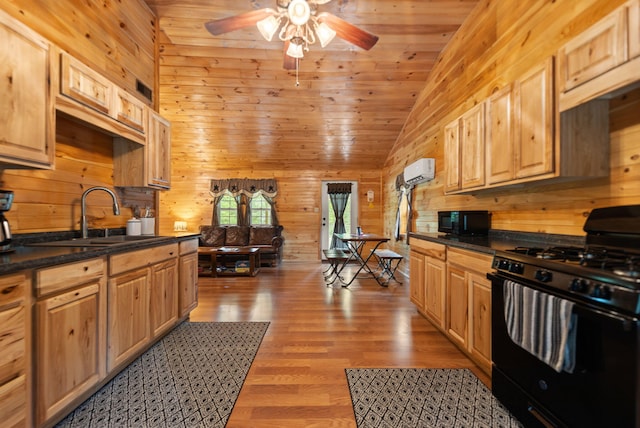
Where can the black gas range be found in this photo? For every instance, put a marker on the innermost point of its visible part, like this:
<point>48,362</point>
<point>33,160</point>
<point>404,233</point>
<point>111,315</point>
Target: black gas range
<point>600,284</point>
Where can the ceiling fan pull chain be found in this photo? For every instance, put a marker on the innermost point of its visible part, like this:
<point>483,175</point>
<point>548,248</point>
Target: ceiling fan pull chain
<point>297,66</point>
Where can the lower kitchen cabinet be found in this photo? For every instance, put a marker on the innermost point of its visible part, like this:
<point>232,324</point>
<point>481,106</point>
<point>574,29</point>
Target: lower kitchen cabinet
<point>143,300</point>
<point>164,296</point>
<point>188,276</point>
<point>128,315</point>
<point>427,280</point>
<point>70,327</point>
<point>15,326</point>
<point>469,304</point>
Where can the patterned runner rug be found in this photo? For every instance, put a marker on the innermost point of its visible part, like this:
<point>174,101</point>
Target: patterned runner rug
<point>192,377</point>
<point>424,398</point>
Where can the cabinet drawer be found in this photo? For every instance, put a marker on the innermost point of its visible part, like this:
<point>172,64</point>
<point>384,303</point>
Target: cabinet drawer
<point>13,402</point>
<point>130,111</point>
<point>469,260</point>
<point>136,259</point>
<point>13,288</point>
<point>429,248</point>
<point>12,343</point>
<point>84,85</point>
<point>190,246</point>
<point>69,275</point>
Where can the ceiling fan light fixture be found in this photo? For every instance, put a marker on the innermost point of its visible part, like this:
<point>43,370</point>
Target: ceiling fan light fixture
<point>268,27</point>
<point>299,12</point>
<point>295,49</point>
<point>325,34</point>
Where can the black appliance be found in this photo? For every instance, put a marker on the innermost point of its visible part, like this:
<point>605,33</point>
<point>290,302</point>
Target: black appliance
<point>461,223</point>
<point>602,282</point>
<point>6,198</point>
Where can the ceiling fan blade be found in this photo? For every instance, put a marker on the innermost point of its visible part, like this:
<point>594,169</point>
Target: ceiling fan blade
<point>348,32</point>
<point>288,62</point>
<point>232,23</point>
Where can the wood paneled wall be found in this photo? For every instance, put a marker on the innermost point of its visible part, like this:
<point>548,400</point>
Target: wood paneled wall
<point>298,201</point>
<point>499,42</point>
<point>118,39</point>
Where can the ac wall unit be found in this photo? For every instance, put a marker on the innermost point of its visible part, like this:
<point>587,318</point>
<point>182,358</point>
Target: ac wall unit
<point>420,171</point>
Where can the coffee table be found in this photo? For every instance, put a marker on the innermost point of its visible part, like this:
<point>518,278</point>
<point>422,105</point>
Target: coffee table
<point>223,254</point>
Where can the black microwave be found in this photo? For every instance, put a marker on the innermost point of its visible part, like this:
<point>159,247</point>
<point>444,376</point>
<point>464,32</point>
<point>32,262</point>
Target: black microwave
<point>464,222</point>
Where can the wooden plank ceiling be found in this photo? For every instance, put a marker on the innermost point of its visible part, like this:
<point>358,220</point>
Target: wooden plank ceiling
<point>232,103</point>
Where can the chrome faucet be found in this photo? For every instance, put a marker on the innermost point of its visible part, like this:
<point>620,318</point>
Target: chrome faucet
<point>116,208</point>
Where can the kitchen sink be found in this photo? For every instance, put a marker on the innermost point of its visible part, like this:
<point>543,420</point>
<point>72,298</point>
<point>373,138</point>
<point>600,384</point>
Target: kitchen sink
<point>105,241</point>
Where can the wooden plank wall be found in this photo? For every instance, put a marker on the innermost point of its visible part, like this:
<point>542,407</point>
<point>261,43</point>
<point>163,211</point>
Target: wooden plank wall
<point>499,42</point>
<point>298,201</point>
<point>117,39</point>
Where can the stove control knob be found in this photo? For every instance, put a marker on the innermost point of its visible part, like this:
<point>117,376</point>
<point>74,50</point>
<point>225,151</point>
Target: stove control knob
<point>543,275</point>
<point>503,264</point>
<point>516,267</point>
<point>579,285</point>
<point>602,292</point>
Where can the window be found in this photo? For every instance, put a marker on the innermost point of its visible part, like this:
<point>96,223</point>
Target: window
<point>228,211</point>
<point>260,211</point>
<point>404,212</point>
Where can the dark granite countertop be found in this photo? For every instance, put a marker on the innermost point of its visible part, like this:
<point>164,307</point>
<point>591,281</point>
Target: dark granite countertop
<point>24,256</point>
<point>500,240</point>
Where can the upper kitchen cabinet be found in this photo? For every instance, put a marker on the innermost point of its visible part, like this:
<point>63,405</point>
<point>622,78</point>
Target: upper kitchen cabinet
<point>465,149</point>
<point>148,165</point>
<point>86,95</point>
<point>26,106</point>
<point>527,139</point>
<point>602,59</point>
<point>520,128</point>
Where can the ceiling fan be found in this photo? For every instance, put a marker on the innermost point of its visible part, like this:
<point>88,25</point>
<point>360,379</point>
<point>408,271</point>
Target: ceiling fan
<point>299,25</point>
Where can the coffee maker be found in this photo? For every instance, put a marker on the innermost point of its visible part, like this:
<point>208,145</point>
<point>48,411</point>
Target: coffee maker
<point>6,198</point>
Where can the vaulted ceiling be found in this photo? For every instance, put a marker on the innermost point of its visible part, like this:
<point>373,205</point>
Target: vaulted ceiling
<point>231,102</point>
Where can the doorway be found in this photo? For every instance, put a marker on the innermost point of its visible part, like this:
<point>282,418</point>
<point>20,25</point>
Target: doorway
<point>328,216</point>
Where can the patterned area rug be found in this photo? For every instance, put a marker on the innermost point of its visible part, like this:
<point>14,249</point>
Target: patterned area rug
<point>191,378</point>
<point>424,398</point>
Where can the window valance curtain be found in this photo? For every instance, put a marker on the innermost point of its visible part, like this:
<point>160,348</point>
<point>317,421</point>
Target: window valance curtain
<point>334,188</point>
<point>242,189</point>
<point>247,186</point>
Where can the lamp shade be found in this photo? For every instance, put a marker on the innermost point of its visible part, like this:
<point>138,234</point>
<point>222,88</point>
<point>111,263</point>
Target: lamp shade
<point>295,50</point>
<point>268,27</point>
<point>325,34</point>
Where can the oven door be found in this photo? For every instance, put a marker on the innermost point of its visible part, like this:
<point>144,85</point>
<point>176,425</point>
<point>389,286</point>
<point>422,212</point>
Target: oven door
<point>601,391</point>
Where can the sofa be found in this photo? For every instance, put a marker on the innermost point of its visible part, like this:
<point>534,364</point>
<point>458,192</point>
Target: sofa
<point>268,238</point>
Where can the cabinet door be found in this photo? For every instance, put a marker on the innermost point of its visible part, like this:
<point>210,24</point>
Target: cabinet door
<point>472,148</point>
<point>128,315</point>
<point>163,296</point>
<point>634,29</point>
<point>129,110</point>
<point>534,152</point>
<point>82,84</point>
<point>500,146</point>
<point>435,278</point>
<point>452,156</point>
<point>457,306</point>
<point>595,51</point>
<point>416,280</point>
<point>13,405</point>
<point>71,342</point>
<point>159,152</point>
<point>26,107</point>
<point>188,277</point>
<point>480,340</point>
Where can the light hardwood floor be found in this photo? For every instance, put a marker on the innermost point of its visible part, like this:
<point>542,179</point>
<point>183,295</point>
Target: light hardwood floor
<point>297,378</point>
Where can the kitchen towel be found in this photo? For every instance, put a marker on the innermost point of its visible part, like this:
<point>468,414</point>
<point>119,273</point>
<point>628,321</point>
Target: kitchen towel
<point>542,324</point>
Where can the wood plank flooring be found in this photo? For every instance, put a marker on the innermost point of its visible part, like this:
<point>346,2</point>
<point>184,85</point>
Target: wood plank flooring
<point>297,378</point>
